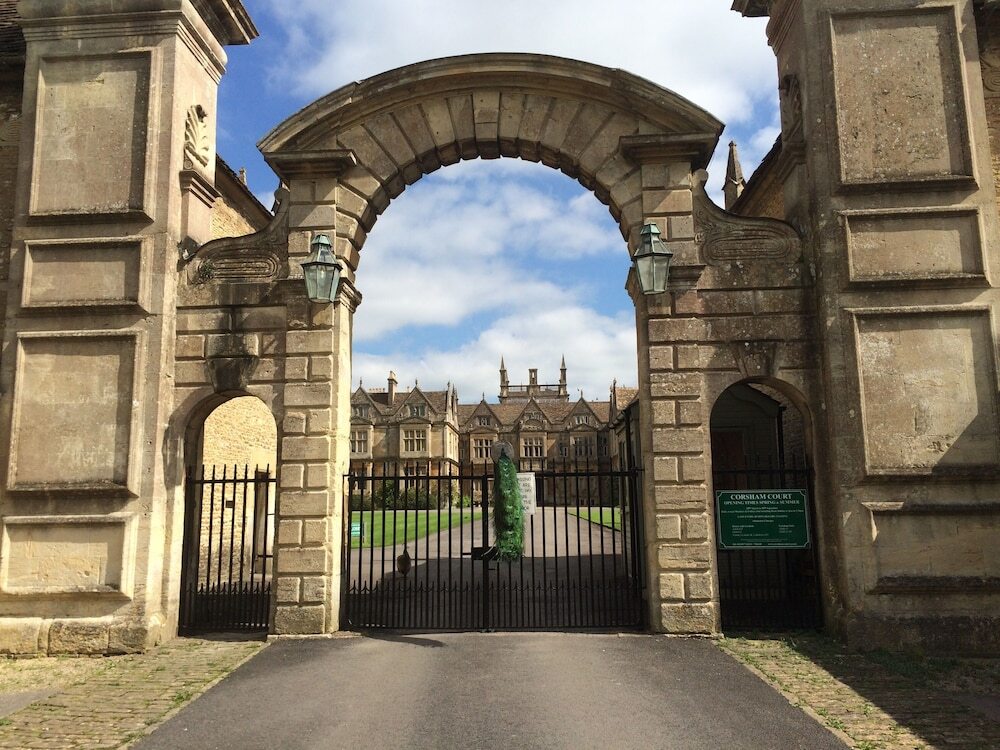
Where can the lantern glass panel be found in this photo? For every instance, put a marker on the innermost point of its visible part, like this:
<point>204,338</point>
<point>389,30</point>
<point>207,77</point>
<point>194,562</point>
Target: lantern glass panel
<point>644,267</point>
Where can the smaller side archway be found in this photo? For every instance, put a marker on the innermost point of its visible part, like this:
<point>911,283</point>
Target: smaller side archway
<point>766,530</point>
<point>231,447</point>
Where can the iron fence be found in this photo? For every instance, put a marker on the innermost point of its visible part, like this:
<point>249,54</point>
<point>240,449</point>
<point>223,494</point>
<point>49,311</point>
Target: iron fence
<point>770,589</point>
<point>228,542</point>
<point>418,549</point>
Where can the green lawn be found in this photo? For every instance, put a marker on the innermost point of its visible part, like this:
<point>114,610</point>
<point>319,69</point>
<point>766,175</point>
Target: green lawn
<point>409,525</point>
<point>610,517</point>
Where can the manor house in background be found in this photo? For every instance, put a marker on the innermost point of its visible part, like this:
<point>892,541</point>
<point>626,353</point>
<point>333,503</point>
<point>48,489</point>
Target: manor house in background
<point>422,432</point>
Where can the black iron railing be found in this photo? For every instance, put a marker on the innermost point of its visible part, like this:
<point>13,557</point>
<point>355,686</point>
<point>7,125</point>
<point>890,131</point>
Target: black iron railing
<point>228,541</point>
<point>770,589</point>
<point>418,549</point>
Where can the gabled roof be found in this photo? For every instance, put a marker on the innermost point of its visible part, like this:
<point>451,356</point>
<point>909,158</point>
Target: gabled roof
<point>467,412</point>
<point>625,396</point>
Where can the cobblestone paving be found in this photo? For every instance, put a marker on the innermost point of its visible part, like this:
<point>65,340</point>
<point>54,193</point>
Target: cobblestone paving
<point>112,701</point>
<point>881,701</point>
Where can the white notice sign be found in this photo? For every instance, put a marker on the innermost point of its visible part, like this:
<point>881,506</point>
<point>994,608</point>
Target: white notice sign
<point>526,485</point>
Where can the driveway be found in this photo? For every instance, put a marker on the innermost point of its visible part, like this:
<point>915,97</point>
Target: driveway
<point>505,690</point>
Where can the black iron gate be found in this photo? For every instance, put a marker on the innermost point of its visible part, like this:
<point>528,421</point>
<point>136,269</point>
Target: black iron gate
<point>228,540</point>
<point>770,589</point>
<point>418,549</point>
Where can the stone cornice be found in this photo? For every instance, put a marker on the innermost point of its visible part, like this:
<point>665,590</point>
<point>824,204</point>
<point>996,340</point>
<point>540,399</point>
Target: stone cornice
<point>311,164</point>
<point>195,21</point>
<point>696,148</point>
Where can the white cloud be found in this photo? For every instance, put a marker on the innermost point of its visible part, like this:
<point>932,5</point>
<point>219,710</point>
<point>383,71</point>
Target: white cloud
<point>449,249</point>
<point>598,348</point>
<point>699,48</point>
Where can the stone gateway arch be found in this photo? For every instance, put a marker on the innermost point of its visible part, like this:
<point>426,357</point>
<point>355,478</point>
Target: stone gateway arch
<point>853,281</point>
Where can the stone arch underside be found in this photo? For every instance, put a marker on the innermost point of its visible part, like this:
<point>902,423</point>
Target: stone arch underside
<point>590,122</point>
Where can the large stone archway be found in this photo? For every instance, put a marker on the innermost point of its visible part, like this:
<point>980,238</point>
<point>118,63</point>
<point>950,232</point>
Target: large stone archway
<point>876,303</point>
<point>344,158</point>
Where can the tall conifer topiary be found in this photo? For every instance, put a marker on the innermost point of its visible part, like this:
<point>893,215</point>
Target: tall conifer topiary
<point>508,513</point>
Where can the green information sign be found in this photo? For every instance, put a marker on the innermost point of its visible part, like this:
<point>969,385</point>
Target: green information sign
<point>770,519</point>
<point>355,528</point>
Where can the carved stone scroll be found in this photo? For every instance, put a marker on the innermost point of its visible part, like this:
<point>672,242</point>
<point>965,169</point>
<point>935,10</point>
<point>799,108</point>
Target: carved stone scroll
<point>197,143</point>
<point>728,238</point>
<point>253,258</point>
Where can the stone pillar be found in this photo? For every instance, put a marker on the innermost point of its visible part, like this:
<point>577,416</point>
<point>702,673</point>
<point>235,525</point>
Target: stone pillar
<point>90,516</point>
<point>673,421</point>
<point>898,208</point>
<point>314,450</point>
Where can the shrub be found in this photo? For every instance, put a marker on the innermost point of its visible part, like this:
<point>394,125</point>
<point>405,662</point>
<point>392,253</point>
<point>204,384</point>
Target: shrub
<point>390,496</point>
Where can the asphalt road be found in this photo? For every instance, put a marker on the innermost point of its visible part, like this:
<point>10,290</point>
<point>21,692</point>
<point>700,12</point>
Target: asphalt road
<point>490,691</point>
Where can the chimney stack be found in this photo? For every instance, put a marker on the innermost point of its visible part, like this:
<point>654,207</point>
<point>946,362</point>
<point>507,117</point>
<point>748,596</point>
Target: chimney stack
<point>392,386</point>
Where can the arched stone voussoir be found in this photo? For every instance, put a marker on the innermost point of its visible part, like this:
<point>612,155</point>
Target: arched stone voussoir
<point>569,115</point>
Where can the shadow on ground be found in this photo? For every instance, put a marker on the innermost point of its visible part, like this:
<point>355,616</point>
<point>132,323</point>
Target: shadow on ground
<point>942,701</point>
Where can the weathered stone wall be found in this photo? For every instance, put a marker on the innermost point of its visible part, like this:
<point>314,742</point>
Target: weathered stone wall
<point>90,521</point>
<point>890,175</point>
<point>229,221</point>
<point>240,432</point>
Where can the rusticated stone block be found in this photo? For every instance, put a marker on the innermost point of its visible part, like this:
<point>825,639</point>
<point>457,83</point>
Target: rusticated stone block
<point>311,394</point>
<point>307,560</point>
<point>681,227</point>
<point>314,531</point>
<point>288,589</point>
<point>685,556</point>
<point>692,468</point>
<point>671,586</point>
<point>305,448</point>
<point>690,412</point>
<point>319,421</point>
<point>190,347</point>
<point>664,413</point>
<point>318,476</point>
<point>290,532</point>
<point>78,637</point>
<point>699,586</point>
<point>668,384</point>
<point>679,440</point>
<point>670,330</point>
<point>297,368</point>
<point>292,476</point>
<point>659,202</point>
<point>665,469</point>
<point>300,620</point>
<point>313,503</point>
<point>19,635</point>
<point>309,342</point>
<point>661,358</point>
<point>689,357</point>
<point>688,619</point>
<point>294,424</point>
<point>131,638</point>
<point>681,497</point>
<point>696,527</point>
<point>314,589</point>
<point>668,528</point>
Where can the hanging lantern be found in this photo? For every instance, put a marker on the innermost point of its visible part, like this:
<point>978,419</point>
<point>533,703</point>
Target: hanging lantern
<point>652,261</point>
<point>322,271</point>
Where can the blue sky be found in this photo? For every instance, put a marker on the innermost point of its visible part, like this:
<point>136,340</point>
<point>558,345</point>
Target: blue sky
<point>483,259</point>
